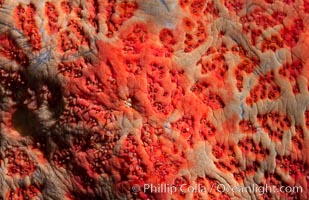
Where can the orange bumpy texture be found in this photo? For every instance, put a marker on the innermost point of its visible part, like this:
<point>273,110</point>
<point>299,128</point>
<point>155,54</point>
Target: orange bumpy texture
<point>102,98</point>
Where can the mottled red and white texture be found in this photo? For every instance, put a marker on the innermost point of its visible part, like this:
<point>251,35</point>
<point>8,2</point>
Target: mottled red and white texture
<point>97,96</point>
